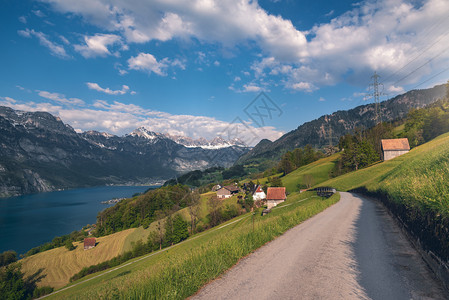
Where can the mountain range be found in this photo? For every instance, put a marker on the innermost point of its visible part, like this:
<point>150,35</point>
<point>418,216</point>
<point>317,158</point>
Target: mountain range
<point>327,129</point>
<point>39,153</point>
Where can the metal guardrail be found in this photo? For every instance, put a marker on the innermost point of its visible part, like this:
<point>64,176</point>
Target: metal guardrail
<point>325,191</point>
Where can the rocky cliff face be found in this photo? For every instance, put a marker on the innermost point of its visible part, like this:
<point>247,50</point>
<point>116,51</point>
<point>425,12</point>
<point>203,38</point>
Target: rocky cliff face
<point>39,153</point>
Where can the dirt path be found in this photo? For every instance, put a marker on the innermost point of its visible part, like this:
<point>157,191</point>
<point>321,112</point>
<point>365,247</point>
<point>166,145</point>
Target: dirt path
<point>352,250</point>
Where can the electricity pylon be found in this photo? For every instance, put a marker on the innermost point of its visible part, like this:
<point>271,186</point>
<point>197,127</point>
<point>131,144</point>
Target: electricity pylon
<point>376,95</point>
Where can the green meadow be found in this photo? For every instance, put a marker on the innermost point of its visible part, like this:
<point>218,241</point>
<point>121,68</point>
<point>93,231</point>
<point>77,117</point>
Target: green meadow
<point>318,170</point>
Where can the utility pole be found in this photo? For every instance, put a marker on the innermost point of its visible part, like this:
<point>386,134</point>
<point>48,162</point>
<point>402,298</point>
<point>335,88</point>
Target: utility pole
<point>330,136</point>
<point>376,95</point>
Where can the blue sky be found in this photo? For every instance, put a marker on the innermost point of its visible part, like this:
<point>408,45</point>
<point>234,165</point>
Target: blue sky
<point>192,67</point>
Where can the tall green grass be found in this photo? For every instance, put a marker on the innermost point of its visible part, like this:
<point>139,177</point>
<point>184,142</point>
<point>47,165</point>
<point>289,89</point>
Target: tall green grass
<point>421,181</point>
<point>183,270</point>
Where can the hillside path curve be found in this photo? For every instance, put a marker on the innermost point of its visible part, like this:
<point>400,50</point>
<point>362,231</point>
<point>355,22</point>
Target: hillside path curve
<point>352,250</point>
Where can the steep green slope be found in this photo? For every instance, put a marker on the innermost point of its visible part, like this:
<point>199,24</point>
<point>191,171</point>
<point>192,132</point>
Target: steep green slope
<point>423,165</point>
<point>318,172</point>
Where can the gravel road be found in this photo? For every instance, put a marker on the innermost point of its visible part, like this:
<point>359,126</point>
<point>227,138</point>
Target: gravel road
<point>352,250</point>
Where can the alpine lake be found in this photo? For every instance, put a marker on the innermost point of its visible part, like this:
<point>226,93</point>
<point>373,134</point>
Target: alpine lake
<point>32,220</point>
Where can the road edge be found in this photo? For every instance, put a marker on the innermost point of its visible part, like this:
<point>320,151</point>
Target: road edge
<point>437,267</point>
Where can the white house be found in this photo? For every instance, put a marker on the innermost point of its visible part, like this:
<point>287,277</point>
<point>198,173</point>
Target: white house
<point>259,194</point>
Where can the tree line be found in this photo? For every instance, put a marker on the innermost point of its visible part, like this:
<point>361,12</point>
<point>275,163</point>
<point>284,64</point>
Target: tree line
<point>422,125</point>
<point>297,158</point>
<point>143,210</point>
<point>361,148</point>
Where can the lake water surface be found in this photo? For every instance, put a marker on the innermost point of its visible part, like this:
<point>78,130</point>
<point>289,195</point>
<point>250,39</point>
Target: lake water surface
<point>31,220</point>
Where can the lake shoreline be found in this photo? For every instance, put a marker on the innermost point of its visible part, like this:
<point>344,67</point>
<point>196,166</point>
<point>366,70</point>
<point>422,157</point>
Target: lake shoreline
<point>29,221</point>
<point>149,184</point>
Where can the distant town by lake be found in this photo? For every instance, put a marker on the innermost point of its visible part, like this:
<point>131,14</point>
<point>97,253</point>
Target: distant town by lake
<point>31,220</point>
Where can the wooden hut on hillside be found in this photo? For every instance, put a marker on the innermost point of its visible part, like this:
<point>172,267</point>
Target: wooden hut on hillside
<point>89,243</point>
<point>392,148</point>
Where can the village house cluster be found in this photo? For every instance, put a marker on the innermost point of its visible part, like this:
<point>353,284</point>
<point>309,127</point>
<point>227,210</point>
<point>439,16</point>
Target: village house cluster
<point>273,197</point>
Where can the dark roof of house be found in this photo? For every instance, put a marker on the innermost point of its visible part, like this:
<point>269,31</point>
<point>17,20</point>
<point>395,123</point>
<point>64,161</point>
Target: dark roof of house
<point>231,188</point>
<point>89,242</point>
<point>395,144</point>
<point>276,193</point>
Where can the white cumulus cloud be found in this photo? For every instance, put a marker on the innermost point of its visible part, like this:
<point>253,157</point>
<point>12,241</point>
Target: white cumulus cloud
<point>148,63</point>
<point>121,118</point>
<point>97,45</point>
<point>97,87</point>
<point>61,98</point>
<point>392,37</point>
<point>55,49</point>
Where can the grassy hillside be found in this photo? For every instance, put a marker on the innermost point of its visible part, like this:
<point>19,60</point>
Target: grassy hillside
<point>418,174</point>
<point>179,271</point>
<point>319,170</point>
<point>60,264</point>
<point>142,234</point>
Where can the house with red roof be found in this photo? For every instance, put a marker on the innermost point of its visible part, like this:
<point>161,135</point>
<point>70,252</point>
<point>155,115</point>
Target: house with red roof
<point>89,243</point>
<point>275,195</point>
<point>392,148</point>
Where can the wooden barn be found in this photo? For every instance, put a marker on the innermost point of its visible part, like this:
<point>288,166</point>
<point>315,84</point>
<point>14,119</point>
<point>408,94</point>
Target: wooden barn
<point>392,148</point>
<point>275,195</point>
<point>89,243</point>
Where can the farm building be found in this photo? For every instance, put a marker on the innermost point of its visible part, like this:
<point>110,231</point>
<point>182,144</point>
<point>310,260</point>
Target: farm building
<point>392,148</point>
<point>259,194</point>
<point>89,243</point>
<point>275,195</point>
<point>227,191</point>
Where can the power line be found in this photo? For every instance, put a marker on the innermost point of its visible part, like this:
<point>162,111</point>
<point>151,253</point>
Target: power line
<point>425,36</point>
<point>428,79</point>
<point>427,62</point>
<point>417,56</point>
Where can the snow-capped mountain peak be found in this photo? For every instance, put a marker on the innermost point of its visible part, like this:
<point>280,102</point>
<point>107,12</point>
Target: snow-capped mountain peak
<point>145,133</point>
<point>216,143</point>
